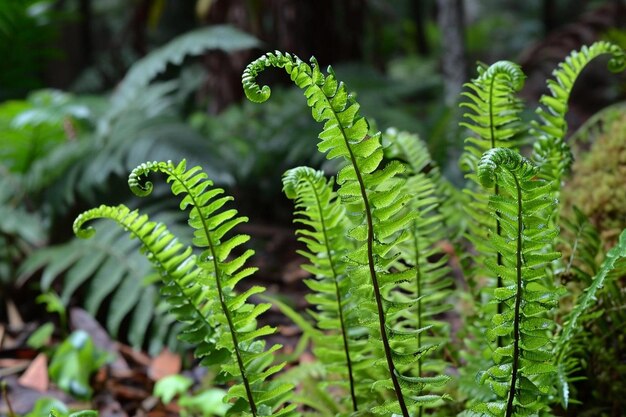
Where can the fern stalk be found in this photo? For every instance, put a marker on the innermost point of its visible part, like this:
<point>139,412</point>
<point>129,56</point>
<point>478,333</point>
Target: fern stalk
<point>523,367</point>
<point>518,300</point>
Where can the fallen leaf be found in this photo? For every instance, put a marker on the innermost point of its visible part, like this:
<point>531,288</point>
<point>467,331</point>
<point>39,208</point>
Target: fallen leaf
<point>165,364</point>
<point>36,375</point>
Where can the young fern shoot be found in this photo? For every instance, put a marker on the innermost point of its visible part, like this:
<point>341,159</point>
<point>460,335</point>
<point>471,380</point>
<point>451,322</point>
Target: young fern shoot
<point>201,288</point>
<point>523,368</point>
<point>378,200</point>
<point>550,151</point>
<point>319,209</point>
<point>494,117</point>
<point>184,282</point>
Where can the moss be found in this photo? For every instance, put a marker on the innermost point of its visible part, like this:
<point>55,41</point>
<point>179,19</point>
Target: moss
<point>597,184</point>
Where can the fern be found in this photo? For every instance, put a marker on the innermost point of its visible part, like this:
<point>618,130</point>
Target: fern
<point>375,198</point>
<point>550,151</point>
<point>175,262</point>
<point>572,326</point>
<point>234,319</point>
<point>194,43</point>
<point>108,268</point>
<point>522,370</point>
<point>320,210</point>
<point>494,117</point>
<point>493,110</point>
<point>431,285</point>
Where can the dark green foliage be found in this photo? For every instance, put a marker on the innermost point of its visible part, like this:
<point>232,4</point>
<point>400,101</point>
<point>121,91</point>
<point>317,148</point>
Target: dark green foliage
<point>26,30</point>
<point>62,150</point>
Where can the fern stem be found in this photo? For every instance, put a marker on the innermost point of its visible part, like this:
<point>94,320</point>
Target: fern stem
<point>377,295</point>
<point>496,191</point>
<point>344,332</point>
<point>418,281</point>
<point>518,302</point>
<point>371,263</point>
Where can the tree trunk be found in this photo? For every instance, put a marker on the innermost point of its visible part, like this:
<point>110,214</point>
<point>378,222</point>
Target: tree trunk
<point>451,25</point>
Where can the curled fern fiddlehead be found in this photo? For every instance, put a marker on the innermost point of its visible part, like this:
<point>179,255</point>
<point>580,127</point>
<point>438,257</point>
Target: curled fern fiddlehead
<point>494,118</point>
<point>551,153</point>
<point>379,219</point>
<point>523,366</point>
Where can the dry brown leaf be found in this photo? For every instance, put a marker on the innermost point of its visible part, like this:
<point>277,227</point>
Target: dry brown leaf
<point>36,375</point>
<point>165,364</point>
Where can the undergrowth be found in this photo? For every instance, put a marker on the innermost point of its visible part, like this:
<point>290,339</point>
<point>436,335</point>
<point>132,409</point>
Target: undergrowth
<point>381,289</point>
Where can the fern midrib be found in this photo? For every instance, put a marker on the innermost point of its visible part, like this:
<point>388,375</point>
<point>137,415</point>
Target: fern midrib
<point>518,301</point>
<point>344,333</point>
<point>418,280</point>
<point>496,191</point>
<point>370,260</point>
<point>225,309</point>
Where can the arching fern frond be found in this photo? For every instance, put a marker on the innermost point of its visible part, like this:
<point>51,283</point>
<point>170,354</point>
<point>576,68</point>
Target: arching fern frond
<point>586,300</point>
<point>550,152</point>
<point>185,286</point>
<point>376,198</point>
<point>234,318</point>
<point>523,368</point>
<point>318,208</point>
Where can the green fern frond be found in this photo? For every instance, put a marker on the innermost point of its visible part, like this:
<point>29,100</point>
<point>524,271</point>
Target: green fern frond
<point>185,286</point>
<point>431,284</point>
<point>550,152</point>
<point>523,364</point>
<point>586,300</point>
<point>234,318</point>
<point>318,208</point>
<point>493,110</point>
<point>494,118</point>
<point>375,196</point>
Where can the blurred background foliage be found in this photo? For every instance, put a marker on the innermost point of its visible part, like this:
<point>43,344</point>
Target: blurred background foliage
<point>91,88</point>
